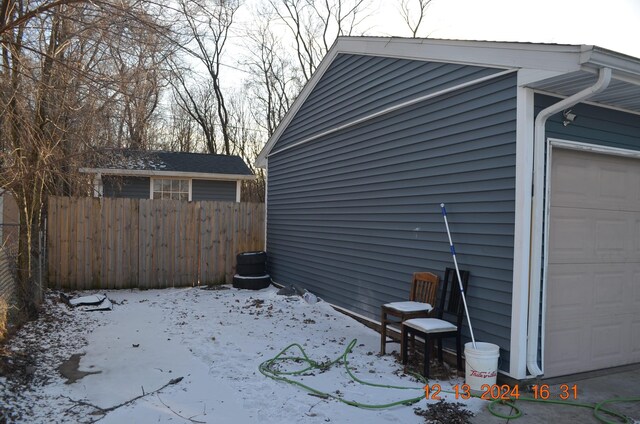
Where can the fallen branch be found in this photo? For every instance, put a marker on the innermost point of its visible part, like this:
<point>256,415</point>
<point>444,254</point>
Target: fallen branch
<point>105,411</point>
<point>181,416</point>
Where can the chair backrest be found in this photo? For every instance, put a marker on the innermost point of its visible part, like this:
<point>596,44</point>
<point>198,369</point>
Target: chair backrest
<point>424,287</point>
<point>450,306</point>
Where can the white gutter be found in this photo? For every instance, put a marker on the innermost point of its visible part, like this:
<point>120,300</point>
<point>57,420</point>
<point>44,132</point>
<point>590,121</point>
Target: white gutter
<point>540,225</point>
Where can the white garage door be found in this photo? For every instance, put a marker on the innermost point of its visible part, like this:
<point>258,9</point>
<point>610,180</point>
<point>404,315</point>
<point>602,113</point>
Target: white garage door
<point>593,285</point>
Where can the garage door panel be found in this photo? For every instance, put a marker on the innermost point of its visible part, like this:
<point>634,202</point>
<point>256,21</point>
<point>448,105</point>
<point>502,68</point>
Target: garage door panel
<point>636,237</point>
<point>609,290</point>
<point>611,241</point>
<point>579,182</point>
<point>567,335</point>
<point>570,235</point>
<point>592,316</point>
<point>570,294</point>
<point>636,287</point>
<point>635,339</point>
<point>578,235</point>
<point>570,190</point>
<point>607,342</point>
<point>612,183</point>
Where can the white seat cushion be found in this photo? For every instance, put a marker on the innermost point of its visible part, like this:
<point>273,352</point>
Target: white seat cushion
<point>409,306</point>
<point>430,325</point>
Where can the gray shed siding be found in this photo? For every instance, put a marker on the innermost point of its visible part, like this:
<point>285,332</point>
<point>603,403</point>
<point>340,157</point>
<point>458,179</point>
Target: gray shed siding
<point>132,187</point>
<point>595,125</point>
<point>352,215</point>
<point>213,190</point>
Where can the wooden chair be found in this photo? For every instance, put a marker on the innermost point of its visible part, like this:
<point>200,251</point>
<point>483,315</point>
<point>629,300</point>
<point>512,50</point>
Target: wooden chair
<point>450,308</point>
<point>424,288</point>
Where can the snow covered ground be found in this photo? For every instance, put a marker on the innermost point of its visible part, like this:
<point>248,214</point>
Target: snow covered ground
<point>215,340</point>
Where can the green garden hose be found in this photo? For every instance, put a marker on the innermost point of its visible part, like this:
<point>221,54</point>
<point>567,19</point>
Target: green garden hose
<point>599,412</point>
<point>268,369</point>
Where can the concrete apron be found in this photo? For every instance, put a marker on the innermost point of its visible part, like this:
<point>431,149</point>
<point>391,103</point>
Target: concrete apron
<point>592,387</point>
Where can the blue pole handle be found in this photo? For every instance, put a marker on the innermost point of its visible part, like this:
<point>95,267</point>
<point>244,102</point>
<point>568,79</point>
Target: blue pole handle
<point>444,210</point>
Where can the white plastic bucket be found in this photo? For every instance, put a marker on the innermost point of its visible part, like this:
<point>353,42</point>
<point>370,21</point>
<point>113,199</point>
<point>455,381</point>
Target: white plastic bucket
<point>481,364</point>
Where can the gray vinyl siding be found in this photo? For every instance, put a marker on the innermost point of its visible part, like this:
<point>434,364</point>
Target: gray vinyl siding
<point>355,86</point>
<point>131,187</point>
<point>595,125</point>
<point>353,214</point>
<point>213,190</point>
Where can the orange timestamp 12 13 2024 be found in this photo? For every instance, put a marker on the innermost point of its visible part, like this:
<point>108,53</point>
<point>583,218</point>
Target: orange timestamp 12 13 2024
<point>503,392</point>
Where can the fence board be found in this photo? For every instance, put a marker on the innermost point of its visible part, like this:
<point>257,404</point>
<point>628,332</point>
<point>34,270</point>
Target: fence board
<point>53,244</point>
<point>64,242</point>
<point>96,241</point>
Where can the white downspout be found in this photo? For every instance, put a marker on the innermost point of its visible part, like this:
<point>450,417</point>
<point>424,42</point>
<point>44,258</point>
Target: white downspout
<point>266,201</point>
<point>538,231</point>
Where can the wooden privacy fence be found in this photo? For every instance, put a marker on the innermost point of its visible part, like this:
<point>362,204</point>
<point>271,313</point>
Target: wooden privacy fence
<point>141,243</point>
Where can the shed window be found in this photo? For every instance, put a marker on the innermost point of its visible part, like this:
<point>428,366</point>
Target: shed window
<point>173,189</point>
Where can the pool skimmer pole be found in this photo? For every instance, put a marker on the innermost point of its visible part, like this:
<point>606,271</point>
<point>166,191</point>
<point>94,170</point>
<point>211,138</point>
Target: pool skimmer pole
<point>455,262</point>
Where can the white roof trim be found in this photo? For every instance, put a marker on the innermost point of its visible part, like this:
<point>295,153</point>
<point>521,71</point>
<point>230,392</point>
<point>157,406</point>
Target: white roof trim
<point>478,53</point>
<point>542,60</point>
<point>177,174</point>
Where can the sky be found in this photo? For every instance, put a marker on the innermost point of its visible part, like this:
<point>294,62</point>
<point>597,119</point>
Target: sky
<point>612,24</point>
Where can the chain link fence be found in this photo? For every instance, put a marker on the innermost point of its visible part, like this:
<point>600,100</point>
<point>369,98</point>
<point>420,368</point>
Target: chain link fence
<point>11,309</point>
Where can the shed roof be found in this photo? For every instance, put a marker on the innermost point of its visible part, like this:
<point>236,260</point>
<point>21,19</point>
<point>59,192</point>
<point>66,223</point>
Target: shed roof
<point>134,162</point>
<point>557,69</point>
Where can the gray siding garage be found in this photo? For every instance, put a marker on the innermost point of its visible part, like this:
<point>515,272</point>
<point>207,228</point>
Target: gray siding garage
<point>354,214</point>
<point>387,129</point>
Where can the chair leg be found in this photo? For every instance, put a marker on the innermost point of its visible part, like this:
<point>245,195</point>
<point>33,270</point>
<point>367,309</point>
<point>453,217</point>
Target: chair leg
<point>403,344</point>
<point>426,357</point>
<point>440,357</point>
<point>383,333</point>
<point>459,351</point>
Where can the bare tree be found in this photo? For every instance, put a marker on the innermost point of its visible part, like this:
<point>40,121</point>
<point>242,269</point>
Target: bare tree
<point>183,133</point>
<point>209,25</point>
<point>197,100</point>
<point>249,142</point>
<point>140,77</point>
<point>272,82</point>
<point>58,81</point>
<point>414,17</point>
<point>315,24</point>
